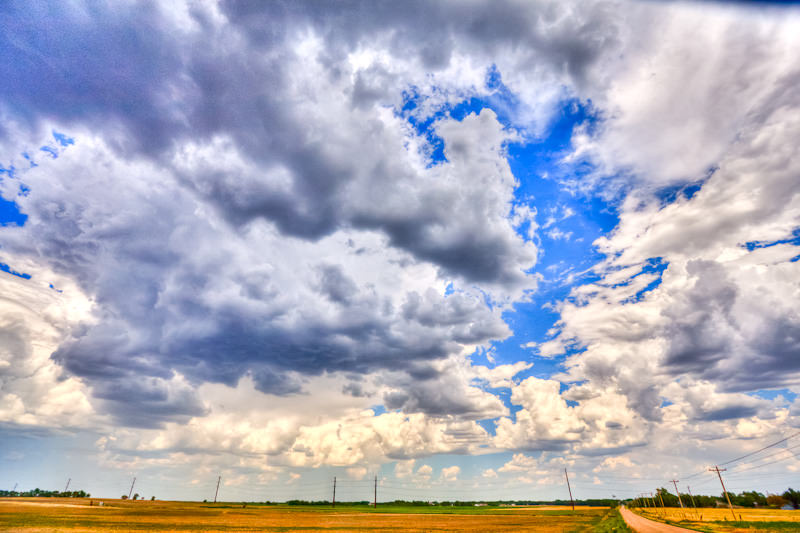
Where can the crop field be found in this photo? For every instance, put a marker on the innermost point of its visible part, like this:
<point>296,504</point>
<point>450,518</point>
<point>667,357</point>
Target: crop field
<point>54,514</point>
<point>720,519</point>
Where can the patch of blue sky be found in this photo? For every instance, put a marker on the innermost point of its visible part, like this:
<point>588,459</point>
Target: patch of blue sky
<point>786,394</point>
<point>49,150</point>
<point>9,171</point>
<point>5,268</point>
<point>10,213</point>
<point>654,265</point>
<point>668,195</point>
<point>568,223</point>
<point>424,126</point>
<point>62,139</point>
<point>449,289</point>
<point>29,159</point>
<point>794,240</point>
<point>499,99</point>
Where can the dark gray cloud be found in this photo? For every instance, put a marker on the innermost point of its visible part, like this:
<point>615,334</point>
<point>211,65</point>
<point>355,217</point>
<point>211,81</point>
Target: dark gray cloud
<point>716,333</point>
<point>177,83</point>
<point>700,329</point>
<point>254,113</point>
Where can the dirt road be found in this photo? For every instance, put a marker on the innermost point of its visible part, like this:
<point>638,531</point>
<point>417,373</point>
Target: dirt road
<point>643,525</point>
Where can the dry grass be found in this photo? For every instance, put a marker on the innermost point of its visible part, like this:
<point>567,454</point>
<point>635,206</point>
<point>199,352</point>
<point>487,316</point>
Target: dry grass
<point>721,519</point>
<point>53,514</point>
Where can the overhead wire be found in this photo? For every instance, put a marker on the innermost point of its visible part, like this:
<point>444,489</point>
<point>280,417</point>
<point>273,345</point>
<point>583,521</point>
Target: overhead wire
<point>760,449</point>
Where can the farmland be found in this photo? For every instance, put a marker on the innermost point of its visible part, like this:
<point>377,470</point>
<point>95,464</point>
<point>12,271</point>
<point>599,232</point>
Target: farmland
<point>721,519</point>
<point>55,514</point>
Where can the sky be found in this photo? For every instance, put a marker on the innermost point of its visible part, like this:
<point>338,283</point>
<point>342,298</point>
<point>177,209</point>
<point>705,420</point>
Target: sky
<point>457,246</point>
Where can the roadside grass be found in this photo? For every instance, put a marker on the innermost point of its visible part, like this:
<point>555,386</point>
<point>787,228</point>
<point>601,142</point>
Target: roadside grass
<point>611,522</point>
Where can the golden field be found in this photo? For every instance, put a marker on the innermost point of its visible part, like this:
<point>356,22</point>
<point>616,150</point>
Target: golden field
<point>721,519</point>
<point>56,514</point>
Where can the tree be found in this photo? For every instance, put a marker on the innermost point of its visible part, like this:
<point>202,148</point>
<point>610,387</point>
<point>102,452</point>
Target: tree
<point>775,500</point>
<point>152,498</point>
<point>124,497</point>
<point>136,496</point>
<point>793,497</point>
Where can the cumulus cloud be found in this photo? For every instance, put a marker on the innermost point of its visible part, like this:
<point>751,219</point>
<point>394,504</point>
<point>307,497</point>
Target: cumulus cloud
<point>34,320</point>
<point>179,290</point>
<point>258,242</point>
<point>451,473</point>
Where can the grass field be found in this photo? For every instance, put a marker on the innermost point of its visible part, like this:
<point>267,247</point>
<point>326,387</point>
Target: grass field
<point>55,514</point>
<point>713,520</point>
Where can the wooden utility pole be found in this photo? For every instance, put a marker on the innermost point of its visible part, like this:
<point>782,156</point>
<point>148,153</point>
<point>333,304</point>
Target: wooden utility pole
<point>675,483</point>
<point>692,497</point>
<point>375,498</point>
<point>570,489</point>
<point>131,491</point>
<point>717,469</point>
<point>678,493</point>
<point>653,501</point>
<point>217,491</point>
<point>67,487</point>
<point>334,491</point>
<point>15,487</point>
<point>663,510</point>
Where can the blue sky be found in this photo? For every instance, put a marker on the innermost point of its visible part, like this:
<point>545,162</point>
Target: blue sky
<point>509,240</point>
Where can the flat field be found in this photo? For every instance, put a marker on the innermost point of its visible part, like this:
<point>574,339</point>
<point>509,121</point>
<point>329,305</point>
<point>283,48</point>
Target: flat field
<point>720,519</point>
<point>56,514</point>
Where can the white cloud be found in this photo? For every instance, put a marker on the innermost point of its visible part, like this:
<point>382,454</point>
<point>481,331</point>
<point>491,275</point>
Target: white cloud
<point>253,245</point>
<point>451,473</point>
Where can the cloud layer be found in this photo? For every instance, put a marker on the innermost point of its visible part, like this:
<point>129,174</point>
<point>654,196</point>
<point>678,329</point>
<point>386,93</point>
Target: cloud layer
<point>282,230</point>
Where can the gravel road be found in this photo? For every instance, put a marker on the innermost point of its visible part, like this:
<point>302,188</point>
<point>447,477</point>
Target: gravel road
<point>643,525</point>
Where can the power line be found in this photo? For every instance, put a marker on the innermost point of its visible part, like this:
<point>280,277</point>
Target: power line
<point>794,455</point>
<point>774,454</point>
<point>761,449</point>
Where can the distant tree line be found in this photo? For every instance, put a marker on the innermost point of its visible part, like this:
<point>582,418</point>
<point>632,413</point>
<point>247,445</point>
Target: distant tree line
<point>454,503</point>
<point>743,499</point>
<point>38,493</point>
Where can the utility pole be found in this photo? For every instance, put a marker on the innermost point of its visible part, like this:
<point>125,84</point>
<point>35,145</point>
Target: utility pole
<point>663,510</point>
<point>15,487</point>
<point>717,469</point>
<point>653,501</point>
<point>692,497</point>
<point>675,483</point>
<point>375,499</point>
<point>131,491</point>
<point>570,489</point>
<point>217,491</point>
<point>67,487</point>
<point>334,491</point>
